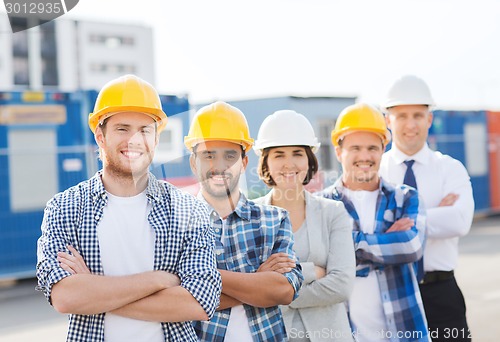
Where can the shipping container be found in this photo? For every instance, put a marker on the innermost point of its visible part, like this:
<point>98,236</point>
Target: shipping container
<point>463,135</point>
<point>493,123</point>
<point>46,147</point>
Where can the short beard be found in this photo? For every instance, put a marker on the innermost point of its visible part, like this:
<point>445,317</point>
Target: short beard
<point>230,186</point>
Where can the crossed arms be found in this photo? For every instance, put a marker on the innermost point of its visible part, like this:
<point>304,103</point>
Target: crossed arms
<point>264,288</point>
<point>190,294</point>
<point>402,243</point>
<point>144,296</point>
<point>276,281</point>
<point>151,296</point>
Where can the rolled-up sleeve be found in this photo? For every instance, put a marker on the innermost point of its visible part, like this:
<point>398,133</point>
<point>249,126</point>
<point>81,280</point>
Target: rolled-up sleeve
<point>284,244</point>
<point>198,267</point>
<point>51,241</point>
<point>395,247</point>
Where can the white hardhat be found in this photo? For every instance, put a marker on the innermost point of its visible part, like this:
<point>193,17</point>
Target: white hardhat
<point>285,128</point>
<point>408,90</point>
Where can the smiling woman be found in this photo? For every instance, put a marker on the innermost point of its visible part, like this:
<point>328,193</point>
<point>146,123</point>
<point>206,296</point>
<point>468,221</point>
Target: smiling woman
<point>321,227</point>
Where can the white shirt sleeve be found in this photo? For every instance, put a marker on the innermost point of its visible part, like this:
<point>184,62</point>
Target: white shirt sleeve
<point>453,221</point>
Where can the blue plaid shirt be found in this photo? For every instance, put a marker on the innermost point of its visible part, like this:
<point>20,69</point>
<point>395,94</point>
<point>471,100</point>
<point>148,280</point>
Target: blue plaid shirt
<point>253,233</point>
<point>392,255</point>
<point>184,246</point>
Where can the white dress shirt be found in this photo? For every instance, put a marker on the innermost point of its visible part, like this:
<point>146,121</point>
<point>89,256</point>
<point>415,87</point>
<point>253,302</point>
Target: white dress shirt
<point>437,175</point>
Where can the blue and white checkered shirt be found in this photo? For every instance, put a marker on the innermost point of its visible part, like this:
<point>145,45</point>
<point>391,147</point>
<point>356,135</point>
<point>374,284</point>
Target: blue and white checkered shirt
<point>392,256</point>
<point>253,233</point>
<point>184,246</point>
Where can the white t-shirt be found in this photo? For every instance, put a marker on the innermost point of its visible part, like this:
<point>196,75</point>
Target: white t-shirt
<point>365,304</point>
<point>126,244</point>
<point>238,328</point>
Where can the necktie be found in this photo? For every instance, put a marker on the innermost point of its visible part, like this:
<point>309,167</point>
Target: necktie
<point>411,181</point>
<point>409,175</point>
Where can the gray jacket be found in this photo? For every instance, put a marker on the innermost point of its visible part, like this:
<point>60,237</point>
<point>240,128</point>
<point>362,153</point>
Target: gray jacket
<point>322,302</point>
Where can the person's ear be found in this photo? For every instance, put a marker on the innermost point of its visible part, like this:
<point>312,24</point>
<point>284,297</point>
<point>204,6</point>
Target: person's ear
<point>99,136</point>
<point>388,120</point>
<point>338,152</point>
<point>192,163</point>
<point>244,161</point>
<point>430,117</point>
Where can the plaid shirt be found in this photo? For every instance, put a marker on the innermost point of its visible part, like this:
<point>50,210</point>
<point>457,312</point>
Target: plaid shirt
<point>392,255</point>
<point>253,233</point>
<point>184,246</point>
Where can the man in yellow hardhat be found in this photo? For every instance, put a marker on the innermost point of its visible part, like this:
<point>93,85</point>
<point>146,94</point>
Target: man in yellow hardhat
<point>444,185</point>
<point>254,243</point>
<point>124,254</point>
<point>388,232</point>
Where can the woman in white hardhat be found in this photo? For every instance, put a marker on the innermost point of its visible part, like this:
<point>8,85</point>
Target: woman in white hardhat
<point>322,229</point>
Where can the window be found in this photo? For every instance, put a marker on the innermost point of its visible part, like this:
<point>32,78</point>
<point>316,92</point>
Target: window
<point>328,164</point>
<point>326,154</point>
<point>32,168</point>
<point>170,148</point>
<point>50,75</point>
<point>21,71</point>
<point>111,41</point>
<point>476,151</point>
<point>20,51</point>
<point>112,68</point>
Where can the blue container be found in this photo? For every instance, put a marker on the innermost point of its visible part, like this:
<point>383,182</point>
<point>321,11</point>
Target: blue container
<point>46,147</point>
<point>42,151</point>
<point>173,165</point>
<point>463,136</point>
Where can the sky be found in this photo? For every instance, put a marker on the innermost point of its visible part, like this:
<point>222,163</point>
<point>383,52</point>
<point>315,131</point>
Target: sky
<point>233,49</point>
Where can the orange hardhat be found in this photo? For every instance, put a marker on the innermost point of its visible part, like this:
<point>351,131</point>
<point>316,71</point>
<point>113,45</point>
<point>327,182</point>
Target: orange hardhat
<point>128,93</point>
<point>219,121</point>
<point>360,117</point>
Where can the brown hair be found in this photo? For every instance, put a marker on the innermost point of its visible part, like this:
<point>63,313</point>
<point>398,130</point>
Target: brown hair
<point>263,168</point>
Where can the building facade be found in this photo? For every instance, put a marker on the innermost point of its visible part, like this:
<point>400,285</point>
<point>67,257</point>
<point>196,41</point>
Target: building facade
<point>70,55</point>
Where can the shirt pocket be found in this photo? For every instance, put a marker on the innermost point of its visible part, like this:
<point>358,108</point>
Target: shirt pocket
<point>254,258</point>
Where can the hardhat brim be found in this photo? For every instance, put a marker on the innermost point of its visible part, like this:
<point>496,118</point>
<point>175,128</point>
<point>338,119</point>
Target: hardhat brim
<point>258,148</point>
<point>385,136</point>
<point>191,143</point>
<point>156,114</point>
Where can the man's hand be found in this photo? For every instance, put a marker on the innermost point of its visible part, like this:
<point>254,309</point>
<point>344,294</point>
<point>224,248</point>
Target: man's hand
<point>402,224</point>
<point>278,262</point>
<point>74,264</point>
<point>448,200</point>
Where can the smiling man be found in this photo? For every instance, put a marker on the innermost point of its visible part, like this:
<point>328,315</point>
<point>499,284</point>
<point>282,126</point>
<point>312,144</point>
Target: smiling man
<point>444,185</point>
<point>388,232</point>
<point>130,258</point>
<point>249,237</point>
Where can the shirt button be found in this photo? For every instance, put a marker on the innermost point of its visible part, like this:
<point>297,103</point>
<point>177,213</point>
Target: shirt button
<point>217,230</point>
<point>218,252</point>
<point>226,316</point>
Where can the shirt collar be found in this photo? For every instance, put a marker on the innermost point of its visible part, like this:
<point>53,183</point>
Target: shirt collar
<point>422,156</point>
<point>383,186</point>
<point>242,207</point>
<point>153,190</point>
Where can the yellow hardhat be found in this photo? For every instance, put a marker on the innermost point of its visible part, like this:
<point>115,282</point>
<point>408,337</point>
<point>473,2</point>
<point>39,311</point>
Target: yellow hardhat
<point>128,93</point>
<point>219,121</point>
<point>360,117</point>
